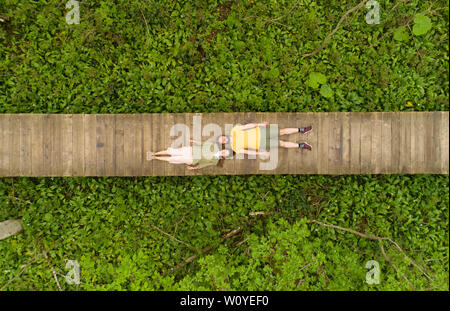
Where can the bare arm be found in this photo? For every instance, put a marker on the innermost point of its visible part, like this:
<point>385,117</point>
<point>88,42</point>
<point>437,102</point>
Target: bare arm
<point>192,167</point>
<point>252,125</point>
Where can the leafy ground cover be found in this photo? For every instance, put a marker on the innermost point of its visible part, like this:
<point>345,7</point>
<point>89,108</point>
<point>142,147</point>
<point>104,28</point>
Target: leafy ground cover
<point>225,232</point>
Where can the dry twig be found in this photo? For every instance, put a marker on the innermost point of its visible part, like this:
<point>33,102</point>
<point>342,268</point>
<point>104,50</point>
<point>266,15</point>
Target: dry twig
<point>380,239</point>
<point>324,43</point>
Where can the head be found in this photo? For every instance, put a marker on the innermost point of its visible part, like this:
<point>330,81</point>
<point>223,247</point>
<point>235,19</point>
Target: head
<point>225,153</point>
<point>222,154</point>
<point>223,139</point>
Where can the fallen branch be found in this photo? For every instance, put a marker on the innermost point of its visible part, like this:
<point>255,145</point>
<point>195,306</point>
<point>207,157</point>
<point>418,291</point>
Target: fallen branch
<point>207,249</point>
<point>145,21</point>
<point>324,43</point>
<point>377,238</point>
<point>407,23</point>
<point>173,238</point>
<point>273,20</point>
<point>29,262</point>
<point>257,213</point>
<point>44,253</point>
<point>395,267</point>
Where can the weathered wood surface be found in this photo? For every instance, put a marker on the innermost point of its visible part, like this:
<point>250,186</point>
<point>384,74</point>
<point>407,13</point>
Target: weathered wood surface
<point>116,144</point>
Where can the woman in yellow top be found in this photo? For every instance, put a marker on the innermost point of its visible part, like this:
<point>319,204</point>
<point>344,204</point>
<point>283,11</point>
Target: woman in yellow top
<point>258,138</point>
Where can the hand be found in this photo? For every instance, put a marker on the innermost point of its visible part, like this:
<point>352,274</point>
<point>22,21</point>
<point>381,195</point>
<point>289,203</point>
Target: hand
<point>192,168</point>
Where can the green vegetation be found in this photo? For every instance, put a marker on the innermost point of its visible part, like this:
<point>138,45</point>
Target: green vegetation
<point>157,233</point>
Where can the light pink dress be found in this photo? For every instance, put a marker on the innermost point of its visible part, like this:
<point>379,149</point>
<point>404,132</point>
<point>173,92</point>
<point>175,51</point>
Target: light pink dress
<point>182,155</point>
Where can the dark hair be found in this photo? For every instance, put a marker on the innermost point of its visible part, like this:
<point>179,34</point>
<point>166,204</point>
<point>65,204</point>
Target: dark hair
<point>222,160</point>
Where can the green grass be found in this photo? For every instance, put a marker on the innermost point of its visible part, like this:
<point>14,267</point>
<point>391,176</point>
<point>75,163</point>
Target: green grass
<point>206,56</point>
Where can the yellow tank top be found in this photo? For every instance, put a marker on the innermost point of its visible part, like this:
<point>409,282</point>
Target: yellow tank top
<point>247,139</point>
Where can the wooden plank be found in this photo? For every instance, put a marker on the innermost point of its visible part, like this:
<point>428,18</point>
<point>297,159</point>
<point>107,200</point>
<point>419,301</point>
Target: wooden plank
<point>366,143</point>
<point>101,144</point>
<point>37,141</point>
<point>15,145</point>
<point>309,160</point>
<point>119,151</point>
<point>56,153</point>
<point>5,143</point>
<point>139,154</point>
<point>177,141</point>
<point>266,163</point>
<point>169,121</point>
<point>104,144</point>
<point>110,132</point>
<point>164,140</point>
<point>345,143</point>
<point>147,169</point>
<point>355,143</point>
<point>413,146</point>
<point>227,123</point>
<point>188,119</point>
<point>67,145</point>
<point>395,142</point>
<point>405,143</point>
<point>323,143</point>
<point>294,155</point>
<point>429,147</point>
<point>251,165</point>
<point>216,124</point>
<point>241,159</point>
<point>78,145</point>
<point>48,143</point>
<point>376,164</point>
<point>435,165</point>
<point>334,144</point>
<point>158,166</point>
<point>90,145</point>
<point>25,146</point>
<point>129,144</point>
<point>444,142</point>
<point>418,153</point>
<point>283,153</point>
<point>385,146</point>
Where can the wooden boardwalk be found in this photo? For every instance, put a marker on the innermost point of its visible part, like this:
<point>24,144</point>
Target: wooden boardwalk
<point>116,144</point>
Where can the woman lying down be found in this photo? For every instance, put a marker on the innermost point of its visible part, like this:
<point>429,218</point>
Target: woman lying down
<point>184,155</point>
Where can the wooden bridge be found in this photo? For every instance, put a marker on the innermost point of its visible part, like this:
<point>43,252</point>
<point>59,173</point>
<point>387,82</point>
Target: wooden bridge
<point>116,144</point>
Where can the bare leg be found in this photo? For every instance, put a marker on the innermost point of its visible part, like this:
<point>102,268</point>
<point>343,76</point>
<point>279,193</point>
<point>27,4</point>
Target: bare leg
<point>288,144</point>
<point>175,159</point>
<point>289,130</point>
<point>162,158</point>
<point>162,152</point>
<point>292,130</point>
